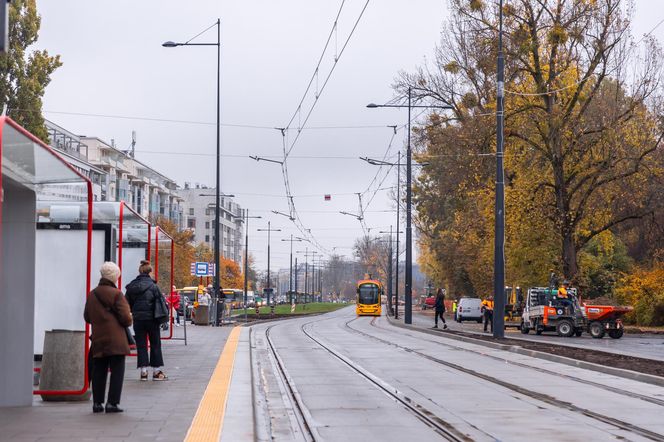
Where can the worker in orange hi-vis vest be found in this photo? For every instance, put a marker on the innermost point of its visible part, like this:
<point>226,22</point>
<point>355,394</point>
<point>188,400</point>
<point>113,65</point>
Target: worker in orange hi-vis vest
<point>487,310</point>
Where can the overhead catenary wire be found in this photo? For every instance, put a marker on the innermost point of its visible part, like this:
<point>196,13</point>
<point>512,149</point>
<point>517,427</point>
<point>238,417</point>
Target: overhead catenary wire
<point>195,122</point>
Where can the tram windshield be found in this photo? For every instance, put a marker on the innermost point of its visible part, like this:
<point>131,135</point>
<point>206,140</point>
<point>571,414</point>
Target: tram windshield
<point>368,294</point>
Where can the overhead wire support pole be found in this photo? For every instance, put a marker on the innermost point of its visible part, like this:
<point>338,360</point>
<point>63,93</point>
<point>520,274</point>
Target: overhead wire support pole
<point>408,310</point>
<point>269,230</point>
<point>290,280</point>
<point>499,210</point>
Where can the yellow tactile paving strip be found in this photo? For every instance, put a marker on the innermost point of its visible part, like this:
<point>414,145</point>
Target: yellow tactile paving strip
<point>209,417</point>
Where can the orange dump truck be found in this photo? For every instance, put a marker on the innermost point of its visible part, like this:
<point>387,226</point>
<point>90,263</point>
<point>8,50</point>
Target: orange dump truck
<point>604,319</point>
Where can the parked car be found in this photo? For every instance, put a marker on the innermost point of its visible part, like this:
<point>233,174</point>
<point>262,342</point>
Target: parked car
<point>429,302</point>
<point>469,309</point>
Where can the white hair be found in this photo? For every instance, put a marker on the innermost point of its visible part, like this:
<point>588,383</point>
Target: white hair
<point>110,270</point>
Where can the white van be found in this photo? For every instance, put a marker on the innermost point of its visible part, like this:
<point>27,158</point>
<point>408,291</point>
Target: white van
<point>469,309</point>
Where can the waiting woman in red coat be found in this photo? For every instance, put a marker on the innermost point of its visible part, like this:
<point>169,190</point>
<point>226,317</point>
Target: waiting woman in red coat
<point>108,312</point>
<point>174,301</point>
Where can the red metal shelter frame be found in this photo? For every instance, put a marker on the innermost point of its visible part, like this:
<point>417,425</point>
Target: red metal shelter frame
<point>120,232</point>
<point>158,232</point>
<point>120,241</point>
<point>8,121</point>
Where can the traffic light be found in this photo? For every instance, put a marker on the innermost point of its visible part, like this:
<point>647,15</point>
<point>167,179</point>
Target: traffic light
<point>4,25</point>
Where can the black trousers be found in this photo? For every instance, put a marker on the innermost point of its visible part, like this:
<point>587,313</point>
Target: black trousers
<point>441,317</point>
<point>100,368</point>
<point>145,330</point>
<point>488,319</point>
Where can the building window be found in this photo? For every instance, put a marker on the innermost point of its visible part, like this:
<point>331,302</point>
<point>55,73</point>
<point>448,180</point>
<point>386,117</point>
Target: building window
<point>207,238</point>
<point>209,211</point>
<point>191,223</point>
<point>207,224</point>
<point>191,211</point>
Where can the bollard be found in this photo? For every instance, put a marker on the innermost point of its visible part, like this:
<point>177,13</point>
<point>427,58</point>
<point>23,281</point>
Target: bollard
<point>63,364</point>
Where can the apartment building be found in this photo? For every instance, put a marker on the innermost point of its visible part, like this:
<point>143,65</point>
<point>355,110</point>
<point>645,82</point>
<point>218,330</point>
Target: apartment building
<point>118,176</point>
<point>198,203</point>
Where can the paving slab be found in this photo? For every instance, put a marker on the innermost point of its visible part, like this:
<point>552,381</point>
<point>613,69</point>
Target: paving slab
<point>155,411</point>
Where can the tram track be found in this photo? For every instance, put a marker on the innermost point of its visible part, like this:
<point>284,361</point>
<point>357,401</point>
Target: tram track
<point>608,388</point>
<point>303,415</point>
<point>651,435</point>
<point>439,425</point>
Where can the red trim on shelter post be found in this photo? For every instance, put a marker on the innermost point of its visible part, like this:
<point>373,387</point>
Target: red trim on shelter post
<point>121,216</point>
<point>31,137</point>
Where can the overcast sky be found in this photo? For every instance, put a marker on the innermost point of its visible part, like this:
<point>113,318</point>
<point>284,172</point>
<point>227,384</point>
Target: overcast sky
<point>113,64</point>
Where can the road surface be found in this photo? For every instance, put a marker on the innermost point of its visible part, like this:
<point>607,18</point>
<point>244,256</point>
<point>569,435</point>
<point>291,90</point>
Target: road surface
<point>649,346</point>
<point>339,377</point>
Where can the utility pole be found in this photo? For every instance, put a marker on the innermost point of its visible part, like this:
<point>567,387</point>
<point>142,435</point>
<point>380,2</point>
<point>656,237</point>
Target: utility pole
<point>290,284</point>
<point>295,279</point>
<point>499,210</point>
<point>396,285</point>
<point>306,271</point>
<point>246,258</point>
<point>268,230</point>
<point>389,273</point>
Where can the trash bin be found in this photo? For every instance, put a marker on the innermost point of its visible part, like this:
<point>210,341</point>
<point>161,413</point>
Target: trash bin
<point>202,316</point>
<point>63,364</point>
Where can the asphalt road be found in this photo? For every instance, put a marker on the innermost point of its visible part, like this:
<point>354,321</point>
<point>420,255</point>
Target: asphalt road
<point>339,377</point>
<point>649,346</point>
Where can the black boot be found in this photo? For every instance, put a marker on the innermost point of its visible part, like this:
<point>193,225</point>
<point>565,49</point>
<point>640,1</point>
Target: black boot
<point>113,408</point>
<point>97,408</point>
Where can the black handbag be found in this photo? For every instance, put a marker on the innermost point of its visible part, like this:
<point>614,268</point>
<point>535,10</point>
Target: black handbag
<point>130,335</point>
<point>161,313</point>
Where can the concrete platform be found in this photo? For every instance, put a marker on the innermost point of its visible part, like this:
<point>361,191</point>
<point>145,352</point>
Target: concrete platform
<point>154,411</point>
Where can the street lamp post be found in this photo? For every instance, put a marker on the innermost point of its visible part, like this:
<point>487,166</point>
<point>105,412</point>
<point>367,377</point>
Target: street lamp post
<point>268,230</point>
<point>171,44</point>
<point>290,280</point>
<point>408,311</point>
<point>306,271</point>
<point>246,259</point>
<point>391,267</point>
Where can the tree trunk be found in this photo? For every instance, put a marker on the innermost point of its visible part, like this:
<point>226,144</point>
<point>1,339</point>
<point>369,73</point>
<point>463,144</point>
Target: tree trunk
<point>570,266</point>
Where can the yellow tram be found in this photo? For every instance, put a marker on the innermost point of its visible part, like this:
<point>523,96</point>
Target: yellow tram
<point>369,293</point>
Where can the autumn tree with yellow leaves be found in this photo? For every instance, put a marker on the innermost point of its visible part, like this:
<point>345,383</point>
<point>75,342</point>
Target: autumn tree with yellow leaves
<point>583,130</point>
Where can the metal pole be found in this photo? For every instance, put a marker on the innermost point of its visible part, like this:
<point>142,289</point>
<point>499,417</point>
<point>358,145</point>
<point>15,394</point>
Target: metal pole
<point>268,262</point>
<point>295,279</point>
<point>306,274</point>
<point>216,207</point>
<point>246,262</point>
<point>290,280</point>
<point>396,288</point>
<point>499,231</point>
<point>408,310</point>
<point>389,276</point>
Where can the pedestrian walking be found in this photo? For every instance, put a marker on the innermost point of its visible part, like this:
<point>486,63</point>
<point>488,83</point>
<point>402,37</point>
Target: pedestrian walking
<point>108,312</point>
<point>174,302</point>
<point>487,310</point>
<point>142,295</point>
<point>440,308</point>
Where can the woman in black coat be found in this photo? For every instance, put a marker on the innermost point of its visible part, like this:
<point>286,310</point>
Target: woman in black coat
<point>440,308</point>
<point>142,294</point>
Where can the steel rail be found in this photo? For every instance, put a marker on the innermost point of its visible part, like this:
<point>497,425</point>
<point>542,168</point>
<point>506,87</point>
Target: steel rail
<point>524,391</point>
<point>303,415</point>
<point>616,390</point>
<point>440,426</point>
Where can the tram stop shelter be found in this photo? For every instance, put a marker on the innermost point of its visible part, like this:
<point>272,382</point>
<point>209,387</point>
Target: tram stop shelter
<point>31,172</point>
